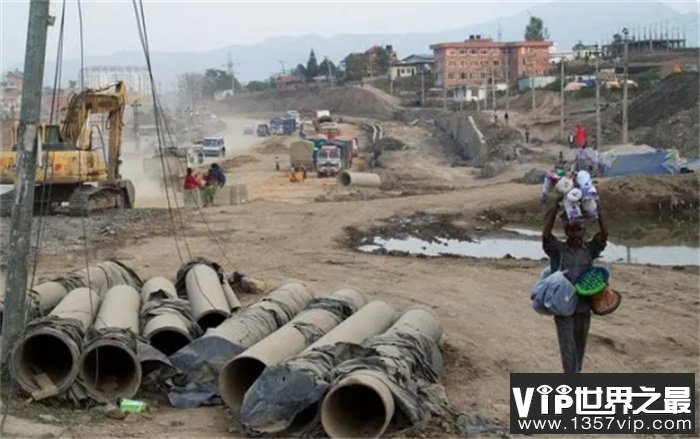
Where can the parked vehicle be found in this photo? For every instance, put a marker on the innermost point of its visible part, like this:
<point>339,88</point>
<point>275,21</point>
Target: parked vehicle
<point>295,114</point>
<point>263,130</point>
<point>214,147</point>
<point>289,125</point>
<point>301,153</point>
<point>328,161</point>
<point>277,126</point>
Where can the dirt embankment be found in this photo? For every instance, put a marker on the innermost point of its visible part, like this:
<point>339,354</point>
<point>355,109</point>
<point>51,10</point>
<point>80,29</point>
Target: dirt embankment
<point>348,100</point>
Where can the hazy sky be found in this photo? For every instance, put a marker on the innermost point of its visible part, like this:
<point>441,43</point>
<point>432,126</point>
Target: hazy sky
<point>109,26</point>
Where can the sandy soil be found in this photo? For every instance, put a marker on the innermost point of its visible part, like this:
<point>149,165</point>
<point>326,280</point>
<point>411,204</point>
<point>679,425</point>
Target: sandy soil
<point>489,328</point>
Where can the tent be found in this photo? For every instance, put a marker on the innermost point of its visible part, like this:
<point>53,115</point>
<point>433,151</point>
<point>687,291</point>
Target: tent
<point>658,162</point>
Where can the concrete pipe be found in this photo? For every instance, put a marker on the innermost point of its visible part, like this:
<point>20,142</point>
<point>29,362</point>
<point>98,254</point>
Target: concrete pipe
<point>288,396</point>
<point>109,367</point>
<point>206,295</point>
<point>51,348</point>
<point>236,377</point>
<point>233,303</point>
<point>158,287</point>
<point>49,295</point>
<point>360,404</point>
<point>346,178</point>
<point>167,332</point>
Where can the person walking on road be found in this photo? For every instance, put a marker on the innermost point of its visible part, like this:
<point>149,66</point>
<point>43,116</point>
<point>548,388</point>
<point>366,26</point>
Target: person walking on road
<point>573,256</point>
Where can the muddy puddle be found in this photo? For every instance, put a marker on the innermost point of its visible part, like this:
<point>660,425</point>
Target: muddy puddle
<point>520,243</point>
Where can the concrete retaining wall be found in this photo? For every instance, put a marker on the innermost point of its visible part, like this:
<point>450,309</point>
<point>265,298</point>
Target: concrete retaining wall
<point>464,130</point>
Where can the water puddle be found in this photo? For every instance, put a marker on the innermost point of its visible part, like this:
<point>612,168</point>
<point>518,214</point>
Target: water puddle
<point>526,244</point>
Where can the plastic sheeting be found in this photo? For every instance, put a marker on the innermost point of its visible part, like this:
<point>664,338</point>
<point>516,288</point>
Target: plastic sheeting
<point>198,363</point>
<point>553,294</point>
<point>658,162</point>
<point>408,363</point>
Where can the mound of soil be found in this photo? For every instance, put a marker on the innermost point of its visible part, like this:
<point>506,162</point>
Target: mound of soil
<point>273,146</point>
<point>237,162</point>
<point>390,144</point>
<point>662,199</point>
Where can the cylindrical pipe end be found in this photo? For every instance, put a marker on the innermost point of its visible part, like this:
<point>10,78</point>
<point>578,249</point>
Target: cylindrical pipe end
<point>110,370</point>
<point>211,319</point>
<point>360,405</point>
<point>169,340</point>
<point>236,377</point>
<point>48,351</point>
<point>344,178</point>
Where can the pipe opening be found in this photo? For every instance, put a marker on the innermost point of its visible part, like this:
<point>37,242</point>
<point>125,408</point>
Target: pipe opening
<point>211,319</point>
<point>237,377</point>
<point>112,371</point>
<point>344,178</point>
<point>354,410</point>
<point>306,418</point>
<point>49,354</point>
<point>169,342</point>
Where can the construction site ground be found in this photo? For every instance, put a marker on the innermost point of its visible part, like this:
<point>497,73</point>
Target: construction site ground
<point>304,231</point>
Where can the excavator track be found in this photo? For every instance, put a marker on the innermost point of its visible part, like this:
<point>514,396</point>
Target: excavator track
<point>87,200</point>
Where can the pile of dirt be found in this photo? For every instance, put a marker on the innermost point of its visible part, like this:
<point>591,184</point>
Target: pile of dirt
<point>658,199</point>
<point>273,146</point>
<point>666,116</point>
<point>503,141</point>
<point>533,176</point>
<point>390,144</point>
<point>238,161</point>
<point>64,234</point>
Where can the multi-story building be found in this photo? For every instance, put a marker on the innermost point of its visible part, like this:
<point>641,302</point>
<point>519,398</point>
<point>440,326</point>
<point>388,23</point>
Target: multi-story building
<point>11,95</point>
<point>479,61</point>
<point>138,83</point>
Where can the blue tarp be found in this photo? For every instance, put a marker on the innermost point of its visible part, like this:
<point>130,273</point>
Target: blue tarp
<point>653,163</point>
<point>691,166</point>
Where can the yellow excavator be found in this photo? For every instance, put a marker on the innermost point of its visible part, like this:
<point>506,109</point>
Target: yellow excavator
<point>71,168</point>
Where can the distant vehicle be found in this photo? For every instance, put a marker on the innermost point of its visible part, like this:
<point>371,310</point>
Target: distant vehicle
<point>263,130</point>
<point>214,147</point>
<point>249,130</point>
<point>295,115</point>
<point>277,125</point>
<point>301,153</point>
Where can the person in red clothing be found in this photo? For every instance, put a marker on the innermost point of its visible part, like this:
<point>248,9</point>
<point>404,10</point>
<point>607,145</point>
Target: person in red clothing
<point>191,180</point>
<point>581,136</point>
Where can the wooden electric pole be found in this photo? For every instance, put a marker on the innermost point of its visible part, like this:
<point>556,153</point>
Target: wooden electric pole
<point>507,79</point>
<point>624,93</point>
<point>14,315</point>
<point>532,89</point>
<point>422,85</point>
<point>561,98</point>
<point>135,106</point>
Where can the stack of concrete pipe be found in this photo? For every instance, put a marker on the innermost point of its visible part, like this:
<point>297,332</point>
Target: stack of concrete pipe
<point>211,299</point>
<point>167,322</point>
<point>99,278</point>
<point>239,332</point>
<point>45,358</point>
<point>361,401</point>
<point>109,367</point>
<point>236,377</point>
<point>287,396</point>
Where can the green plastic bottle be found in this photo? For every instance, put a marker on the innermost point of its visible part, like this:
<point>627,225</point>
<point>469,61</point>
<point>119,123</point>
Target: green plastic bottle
<point>132,406</point>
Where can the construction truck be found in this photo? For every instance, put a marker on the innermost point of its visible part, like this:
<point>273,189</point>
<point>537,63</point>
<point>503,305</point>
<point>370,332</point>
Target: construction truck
<point>301,154</point>
<point>71,168</point>
<point>329,161</point>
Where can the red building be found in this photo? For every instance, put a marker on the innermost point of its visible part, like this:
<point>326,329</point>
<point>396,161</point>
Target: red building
<point>475,61</point>
<point>288,82</point>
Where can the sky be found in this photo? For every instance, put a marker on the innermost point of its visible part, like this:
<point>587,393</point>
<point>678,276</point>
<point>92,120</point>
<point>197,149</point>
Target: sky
<point>109,26</point>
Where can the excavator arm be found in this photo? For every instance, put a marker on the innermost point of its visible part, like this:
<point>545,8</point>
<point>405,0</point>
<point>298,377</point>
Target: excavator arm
<point>75,131</point>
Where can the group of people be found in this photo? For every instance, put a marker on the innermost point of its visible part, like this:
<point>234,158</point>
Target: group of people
<point>213,179</point>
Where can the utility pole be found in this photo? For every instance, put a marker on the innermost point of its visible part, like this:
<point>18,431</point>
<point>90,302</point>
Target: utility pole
<point>444,96</point>
<point>21,221</point>
<point>532,89</point>
<point>507,78</point>
<point>330,73</point>
<point>561,98</point>
<point>422,85</point>
<point>135,106</point>
<point>282,64</point>
<point>624,93</point>
<point>229,65</point>
<point>493,87</point>
<point>598,127</point>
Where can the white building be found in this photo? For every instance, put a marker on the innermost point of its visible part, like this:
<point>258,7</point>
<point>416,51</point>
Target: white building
<point>136,78</point>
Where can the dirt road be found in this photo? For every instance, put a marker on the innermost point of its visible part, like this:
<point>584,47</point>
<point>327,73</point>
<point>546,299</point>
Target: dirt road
<point>489,328</point>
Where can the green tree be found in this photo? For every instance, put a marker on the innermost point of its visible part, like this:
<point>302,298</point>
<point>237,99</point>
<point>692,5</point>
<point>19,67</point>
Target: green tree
<point>327,65</point>
<point>300,71</point>
<point>258,85</point>
<point>355,66</point>
<point>311,66</point>
<point>535,30</point>
<point>218,80</point>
